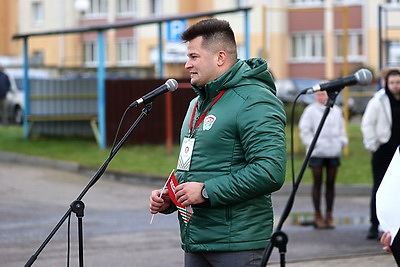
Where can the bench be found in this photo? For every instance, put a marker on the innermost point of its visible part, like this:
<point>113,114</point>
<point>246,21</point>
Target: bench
<point>92,119</point>
<point>63,107</point>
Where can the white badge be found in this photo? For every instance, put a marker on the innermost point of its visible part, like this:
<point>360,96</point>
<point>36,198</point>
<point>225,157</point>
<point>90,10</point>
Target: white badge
<point>208,122</point>
<point>185,156</point>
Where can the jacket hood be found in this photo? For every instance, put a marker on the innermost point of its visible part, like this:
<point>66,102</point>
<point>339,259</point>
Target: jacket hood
<point>253,71</point>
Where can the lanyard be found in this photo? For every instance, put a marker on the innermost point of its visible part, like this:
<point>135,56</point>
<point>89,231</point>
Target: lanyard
<point>200,120</point>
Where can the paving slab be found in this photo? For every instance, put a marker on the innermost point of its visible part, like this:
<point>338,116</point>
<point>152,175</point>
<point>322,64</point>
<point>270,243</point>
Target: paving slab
<point>117,231</point>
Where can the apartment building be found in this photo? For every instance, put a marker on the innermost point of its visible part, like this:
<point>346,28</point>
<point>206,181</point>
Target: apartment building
<point>300,38</point>
<point>331,38</point>
<point>10,51</point>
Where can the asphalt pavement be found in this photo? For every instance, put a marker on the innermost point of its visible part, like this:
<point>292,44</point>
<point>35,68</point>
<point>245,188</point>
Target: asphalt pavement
<point>36,193</point>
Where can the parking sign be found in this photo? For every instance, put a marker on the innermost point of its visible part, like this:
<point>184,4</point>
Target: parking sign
<point>174,30</point>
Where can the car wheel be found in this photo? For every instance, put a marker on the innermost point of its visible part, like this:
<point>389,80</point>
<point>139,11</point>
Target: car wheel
<point>18,115</point>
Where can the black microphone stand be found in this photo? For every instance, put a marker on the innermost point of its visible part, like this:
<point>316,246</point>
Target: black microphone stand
<point>77,206</point>
<point>279,238</point>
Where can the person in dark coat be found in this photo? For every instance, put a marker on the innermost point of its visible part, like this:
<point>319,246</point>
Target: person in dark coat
<point>5,87</point>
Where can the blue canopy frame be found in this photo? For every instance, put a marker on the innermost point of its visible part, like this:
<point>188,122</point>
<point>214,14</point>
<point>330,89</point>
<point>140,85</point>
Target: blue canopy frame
<point>101,71</point>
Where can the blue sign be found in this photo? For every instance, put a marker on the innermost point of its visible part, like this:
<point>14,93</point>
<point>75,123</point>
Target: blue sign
<point>174,30</point>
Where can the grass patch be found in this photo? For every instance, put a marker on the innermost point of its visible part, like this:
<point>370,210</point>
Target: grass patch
<point>143,159</point>
<point>154,160</point>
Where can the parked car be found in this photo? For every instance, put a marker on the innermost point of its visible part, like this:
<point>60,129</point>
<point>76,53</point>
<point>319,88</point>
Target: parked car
<point>15,101</point>
<point>16,97</point>
<point>289,88</point>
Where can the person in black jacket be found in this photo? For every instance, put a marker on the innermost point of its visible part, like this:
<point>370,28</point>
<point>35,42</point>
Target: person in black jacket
<point>5,86</point>
<point>380,127</point>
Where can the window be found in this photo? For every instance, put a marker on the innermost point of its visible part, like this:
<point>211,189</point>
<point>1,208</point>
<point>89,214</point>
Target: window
<point>307,2</point>
<point>126,51</point>
<point>90,53</point>
<point>242,3</point>
<point>37,12</point>
<point>97,7</point>
<point>37,58</point>
<point>348,2</point>
<point>126,7</point>
<point>307,46</point>
<point>355,50</point>
<point>393,53</point>
<point>156,7</point>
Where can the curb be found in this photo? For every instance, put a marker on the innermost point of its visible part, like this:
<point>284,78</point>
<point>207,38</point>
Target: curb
<point>304,189</point>
<point>341,189</point>
<point>78,168</point>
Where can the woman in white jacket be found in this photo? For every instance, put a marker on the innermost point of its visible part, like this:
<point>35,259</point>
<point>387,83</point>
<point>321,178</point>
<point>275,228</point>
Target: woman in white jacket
<point>380,127</point>
<point>326,153</point>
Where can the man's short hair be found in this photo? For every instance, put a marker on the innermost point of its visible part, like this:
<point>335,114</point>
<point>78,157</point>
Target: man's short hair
<point>217,35</point>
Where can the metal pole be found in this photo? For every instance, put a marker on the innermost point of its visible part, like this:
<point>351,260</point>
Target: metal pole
<point>380,37</point>
<point>264,32</point>
<point>247,33</point>
<point>26,88</point>
<point>160,51</point>
<point>169,119</point>
<point>101,99</point>
<point>345,71</point>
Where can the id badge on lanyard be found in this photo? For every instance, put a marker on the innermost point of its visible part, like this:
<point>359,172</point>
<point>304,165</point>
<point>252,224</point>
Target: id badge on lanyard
<point>186,153</point>
<point>185,156</point>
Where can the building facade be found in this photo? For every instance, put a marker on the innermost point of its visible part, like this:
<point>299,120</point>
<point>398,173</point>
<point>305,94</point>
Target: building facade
<point>300,38</point>
<point>10,51</point>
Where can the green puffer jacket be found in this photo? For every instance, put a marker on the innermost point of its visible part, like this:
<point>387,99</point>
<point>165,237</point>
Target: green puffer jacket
<point>241,158</point>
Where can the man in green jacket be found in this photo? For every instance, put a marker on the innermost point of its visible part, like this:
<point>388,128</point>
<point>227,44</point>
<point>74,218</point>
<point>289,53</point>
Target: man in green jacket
<point>233,152</point>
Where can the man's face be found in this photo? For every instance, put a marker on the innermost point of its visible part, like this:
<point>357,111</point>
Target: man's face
<point>321,97</point>
<point>394,85</point>
<point>201,63</point>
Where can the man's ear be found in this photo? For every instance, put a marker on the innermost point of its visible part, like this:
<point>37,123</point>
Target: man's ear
<point>221,58</point>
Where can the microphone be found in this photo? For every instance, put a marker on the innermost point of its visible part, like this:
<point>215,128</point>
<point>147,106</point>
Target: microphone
<point>170,85</point>
<point>361,77</point>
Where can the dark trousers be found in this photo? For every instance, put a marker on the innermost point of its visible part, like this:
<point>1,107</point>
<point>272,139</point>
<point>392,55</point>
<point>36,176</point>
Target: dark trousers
<point>395,247</point>
<point>4,110</point>
<point>222,259</point>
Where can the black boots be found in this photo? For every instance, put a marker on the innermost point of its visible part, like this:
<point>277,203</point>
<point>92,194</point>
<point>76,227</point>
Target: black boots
<point>373,232</point>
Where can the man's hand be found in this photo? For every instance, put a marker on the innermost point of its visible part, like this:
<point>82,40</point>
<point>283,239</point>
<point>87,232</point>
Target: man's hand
<point>189,193</point>
<point>385,241</point>
<point>158,203</point>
